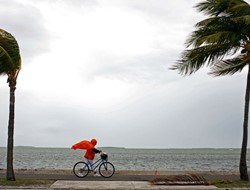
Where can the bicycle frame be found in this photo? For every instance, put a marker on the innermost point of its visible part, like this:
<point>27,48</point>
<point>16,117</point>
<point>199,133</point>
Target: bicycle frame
<point>96,164</point>
<point>106,169</point>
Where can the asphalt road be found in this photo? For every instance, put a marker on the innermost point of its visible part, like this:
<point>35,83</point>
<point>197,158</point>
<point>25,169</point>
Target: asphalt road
<point>115,177</point>
<point>90,177</point>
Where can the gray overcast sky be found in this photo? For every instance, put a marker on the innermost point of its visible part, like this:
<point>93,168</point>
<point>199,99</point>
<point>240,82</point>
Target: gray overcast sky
<point>100,68</point>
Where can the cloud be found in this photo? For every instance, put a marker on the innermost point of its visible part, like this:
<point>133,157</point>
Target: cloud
<point>139,41</point>
<point>75,5</point>
<point>26,23</point>
<point>150,68</point>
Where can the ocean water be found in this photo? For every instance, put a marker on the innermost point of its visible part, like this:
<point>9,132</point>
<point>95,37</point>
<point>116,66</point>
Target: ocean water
<point>128,159</point>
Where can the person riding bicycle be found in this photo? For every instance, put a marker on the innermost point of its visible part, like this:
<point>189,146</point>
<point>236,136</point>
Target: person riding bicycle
<point>89,146</point>
<point>90,155</point>
<point>81,169</point>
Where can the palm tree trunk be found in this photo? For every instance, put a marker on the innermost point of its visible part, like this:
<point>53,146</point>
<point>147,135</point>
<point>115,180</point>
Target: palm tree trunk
<point>10,170</point>
<point>243,162</point>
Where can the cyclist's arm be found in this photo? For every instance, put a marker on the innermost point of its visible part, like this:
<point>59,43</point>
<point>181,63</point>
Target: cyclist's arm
<point>96,150</point>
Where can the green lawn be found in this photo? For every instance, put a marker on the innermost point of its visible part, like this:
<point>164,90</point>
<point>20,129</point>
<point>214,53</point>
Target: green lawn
<point>26,182</point>
<point>224,183</point>
<point>199,180</point>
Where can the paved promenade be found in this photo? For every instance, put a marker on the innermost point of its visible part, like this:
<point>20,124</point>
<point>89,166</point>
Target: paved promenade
<point>119,185</point>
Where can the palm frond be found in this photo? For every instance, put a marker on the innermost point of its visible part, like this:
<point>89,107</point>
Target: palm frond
<point>6,63</point>
<point>212,27</point>
<point>239,9</point>
<point>192,60</point>
<point>240,13</point>
<point>204,22</point>
<point>219,38</point>
<point>228,67</point>
<point>218,7</point>
<point>245,19</point>
<point>213,7</point>
<point>217,30</point>
<point>10,58</point>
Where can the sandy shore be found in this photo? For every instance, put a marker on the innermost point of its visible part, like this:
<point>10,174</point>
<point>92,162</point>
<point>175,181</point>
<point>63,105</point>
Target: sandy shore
<point>125,172</point>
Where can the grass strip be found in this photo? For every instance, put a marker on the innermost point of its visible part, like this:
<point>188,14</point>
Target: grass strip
<point>199,180</point>
<point>229,183</point>
<point>26,182</point>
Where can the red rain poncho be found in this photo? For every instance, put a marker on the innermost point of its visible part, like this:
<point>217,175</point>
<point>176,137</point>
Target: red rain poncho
<point>84,145</point>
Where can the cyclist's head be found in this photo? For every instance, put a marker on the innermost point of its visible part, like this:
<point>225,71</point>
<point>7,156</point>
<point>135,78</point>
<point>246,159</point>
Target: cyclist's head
<point>93,141</point>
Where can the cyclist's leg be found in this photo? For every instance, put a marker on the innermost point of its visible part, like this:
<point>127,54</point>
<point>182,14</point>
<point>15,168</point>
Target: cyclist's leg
<point>91,167</point>
<point>89,162</point>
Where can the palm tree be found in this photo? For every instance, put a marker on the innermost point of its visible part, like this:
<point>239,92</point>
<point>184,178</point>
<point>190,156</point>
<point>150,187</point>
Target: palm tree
<point>10,65</point>
<point>221,42</point>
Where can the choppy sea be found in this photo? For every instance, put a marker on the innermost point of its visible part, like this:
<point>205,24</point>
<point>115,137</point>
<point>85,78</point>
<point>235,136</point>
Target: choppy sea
<point>128,159</point>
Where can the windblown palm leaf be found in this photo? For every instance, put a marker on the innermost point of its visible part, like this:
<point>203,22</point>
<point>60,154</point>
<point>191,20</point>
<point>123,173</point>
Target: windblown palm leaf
<point>228,67</point>
<point>217,31</point>
<point>193,60</point>
<point>217,7</point>
<point>9,53</point>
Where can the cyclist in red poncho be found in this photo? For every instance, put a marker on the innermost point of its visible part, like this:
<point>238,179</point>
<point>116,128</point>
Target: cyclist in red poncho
<point>90,151</point>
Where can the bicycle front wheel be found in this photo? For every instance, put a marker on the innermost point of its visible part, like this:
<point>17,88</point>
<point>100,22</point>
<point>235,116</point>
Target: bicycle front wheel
<point>106,169</point>
<point>81,169</point>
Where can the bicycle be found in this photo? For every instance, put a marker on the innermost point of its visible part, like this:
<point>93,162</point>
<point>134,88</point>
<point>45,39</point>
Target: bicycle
<point>106,169</point>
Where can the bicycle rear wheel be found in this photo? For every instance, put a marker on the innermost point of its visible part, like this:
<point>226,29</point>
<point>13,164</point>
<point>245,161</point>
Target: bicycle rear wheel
<point>106,169</point>
<point>81,169</point>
